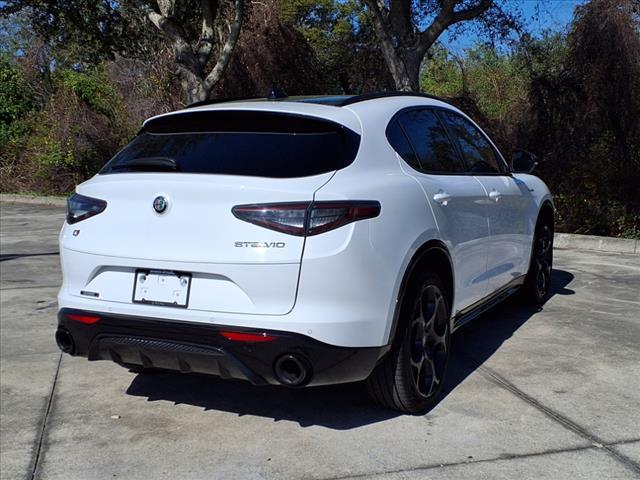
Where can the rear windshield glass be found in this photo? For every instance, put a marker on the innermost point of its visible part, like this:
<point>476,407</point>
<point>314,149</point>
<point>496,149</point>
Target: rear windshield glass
<point>260,144</point>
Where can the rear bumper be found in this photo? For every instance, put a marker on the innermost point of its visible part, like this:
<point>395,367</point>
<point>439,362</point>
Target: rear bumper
<point>200,348</point>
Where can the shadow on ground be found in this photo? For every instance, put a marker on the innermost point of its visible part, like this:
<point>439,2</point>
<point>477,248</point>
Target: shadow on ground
<point>340,407</point>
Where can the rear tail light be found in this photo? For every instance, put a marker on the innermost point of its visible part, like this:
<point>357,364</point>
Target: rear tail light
<point>248,337</point>
<point>307,218</point>
<point>88,319</point>
<point>80,207</point>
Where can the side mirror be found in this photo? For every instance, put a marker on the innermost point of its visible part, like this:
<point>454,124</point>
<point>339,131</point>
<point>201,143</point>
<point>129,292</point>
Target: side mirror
<point>523,161</point>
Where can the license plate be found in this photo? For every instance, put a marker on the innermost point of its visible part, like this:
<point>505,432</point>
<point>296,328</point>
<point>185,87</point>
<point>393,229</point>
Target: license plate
<point>162,287</point>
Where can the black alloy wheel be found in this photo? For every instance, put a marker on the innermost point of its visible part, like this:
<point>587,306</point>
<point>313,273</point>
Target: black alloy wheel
<point>411,376</point>
<point>538,282</point>
<point>429,349</point>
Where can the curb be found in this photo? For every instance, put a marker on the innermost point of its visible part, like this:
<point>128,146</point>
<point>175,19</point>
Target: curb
<point>591,242</point>
<point>34,200</point>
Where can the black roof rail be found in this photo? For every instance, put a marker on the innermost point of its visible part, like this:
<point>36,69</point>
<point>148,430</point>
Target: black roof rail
<point>280,95</point>
<point>220,100</point>
<point>372,96</point>
<point>275,93</point>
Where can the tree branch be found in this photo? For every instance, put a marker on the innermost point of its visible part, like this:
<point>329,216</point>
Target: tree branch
<point>174,32</point>
<point>447,17</point>
<point>225,54</point>
<point>471,12</point>
<point>167,7</point>
<point>400,18</point>
<point>381,23</point>
<point>205,44</point>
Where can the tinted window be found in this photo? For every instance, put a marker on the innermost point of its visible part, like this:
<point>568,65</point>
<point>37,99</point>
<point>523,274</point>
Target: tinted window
<point>430,141</point>
<point>398,140</point>
<point>261,144</point>
<point>477,151</point>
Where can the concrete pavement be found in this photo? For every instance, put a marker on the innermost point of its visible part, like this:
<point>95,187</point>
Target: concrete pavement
<point>553,393</point>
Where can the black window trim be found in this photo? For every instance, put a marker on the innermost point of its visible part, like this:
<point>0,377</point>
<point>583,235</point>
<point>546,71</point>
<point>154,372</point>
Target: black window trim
<point>415,152</point>
<point>436,110</point>
<point>502,164</point>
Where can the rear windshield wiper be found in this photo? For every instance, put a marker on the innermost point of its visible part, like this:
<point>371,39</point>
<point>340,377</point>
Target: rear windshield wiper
<point>148,163</point>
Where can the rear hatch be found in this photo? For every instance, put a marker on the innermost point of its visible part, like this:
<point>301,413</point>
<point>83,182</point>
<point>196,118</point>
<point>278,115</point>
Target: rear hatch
<point>170,195</point>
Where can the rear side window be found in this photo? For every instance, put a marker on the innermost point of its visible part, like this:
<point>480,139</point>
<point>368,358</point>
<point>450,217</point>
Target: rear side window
<point>249,143</point>
<point>430,141</point>
<point>478,152</point>
<point>398,140</point>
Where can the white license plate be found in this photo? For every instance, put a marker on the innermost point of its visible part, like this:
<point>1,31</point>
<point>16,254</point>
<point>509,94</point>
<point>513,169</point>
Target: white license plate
<point>162,287</point>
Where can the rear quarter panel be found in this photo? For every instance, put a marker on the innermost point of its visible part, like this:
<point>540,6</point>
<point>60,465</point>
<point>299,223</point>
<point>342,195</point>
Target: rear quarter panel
<point>355,272</point>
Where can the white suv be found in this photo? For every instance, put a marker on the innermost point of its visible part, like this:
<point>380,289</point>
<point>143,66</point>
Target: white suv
<point>302,241</point>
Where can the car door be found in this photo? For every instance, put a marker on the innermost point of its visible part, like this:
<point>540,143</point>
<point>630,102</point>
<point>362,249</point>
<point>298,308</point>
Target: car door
<point>457,200</point>
<point>507,202</point>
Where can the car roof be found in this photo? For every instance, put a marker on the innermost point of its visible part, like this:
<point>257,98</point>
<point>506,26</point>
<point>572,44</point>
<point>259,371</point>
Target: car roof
<point>331,100</point>
<point>344,109</point>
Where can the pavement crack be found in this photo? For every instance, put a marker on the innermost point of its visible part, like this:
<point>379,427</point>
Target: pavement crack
<point>29,286</point>
<point>44,421</point>
<point>569,424</point>
<point>433,466</point>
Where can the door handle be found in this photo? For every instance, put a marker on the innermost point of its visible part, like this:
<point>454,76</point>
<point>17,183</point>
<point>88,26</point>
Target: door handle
<point>495,195</point>
<point>442,198</point>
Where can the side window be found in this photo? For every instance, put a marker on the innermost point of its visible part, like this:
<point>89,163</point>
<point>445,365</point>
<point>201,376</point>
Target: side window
<point>477,151</point>
<point>430,141</point>
<point>398,140</point>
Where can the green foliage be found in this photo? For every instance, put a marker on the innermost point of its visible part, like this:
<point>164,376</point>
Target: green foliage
<point>341,35</point>
<point>497,82</point>
<point>83,122</point>
<point>16,100</point>
<point>579,212</point>
<point>87,32</point>
<point>52,153</point>
<point>442,74</point>
<point>93,87</point>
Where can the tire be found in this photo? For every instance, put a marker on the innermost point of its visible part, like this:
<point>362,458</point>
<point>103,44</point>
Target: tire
<point>537,284</point>
<point>411,376</point>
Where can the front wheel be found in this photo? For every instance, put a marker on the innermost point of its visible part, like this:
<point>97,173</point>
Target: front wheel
<point>537,284</point>
<point>411,377</point>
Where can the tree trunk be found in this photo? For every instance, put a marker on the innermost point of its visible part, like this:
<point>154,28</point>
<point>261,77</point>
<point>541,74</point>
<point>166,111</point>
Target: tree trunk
<point>403,46</point>
<point>405,69</point>
<point>412,62</point>
<point>193,87</point>
<point>196,82</point>
<point>405,74</point>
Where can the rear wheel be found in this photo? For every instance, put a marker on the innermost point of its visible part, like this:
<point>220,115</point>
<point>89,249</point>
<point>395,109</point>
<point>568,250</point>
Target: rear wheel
<point>411,376</point>
<point>537,284</point>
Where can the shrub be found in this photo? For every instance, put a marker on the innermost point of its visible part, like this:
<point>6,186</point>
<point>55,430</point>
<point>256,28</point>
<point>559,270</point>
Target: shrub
<point>15,101</point>
<point>83,123</point>
<point>93,87</point>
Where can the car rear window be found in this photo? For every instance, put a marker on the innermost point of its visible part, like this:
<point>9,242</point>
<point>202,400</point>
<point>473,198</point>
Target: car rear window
<point>249,143</point>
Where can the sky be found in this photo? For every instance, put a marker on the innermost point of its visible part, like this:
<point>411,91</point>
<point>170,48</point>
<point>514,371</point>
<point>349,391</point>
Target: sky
<point>539,15</point>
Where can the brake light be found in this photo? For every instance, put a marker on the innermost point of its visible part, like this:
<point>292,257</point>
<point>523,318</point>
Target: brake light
<point>80,207</point>
<point>248,337</point>
<point>88,319</point>
<point>307,218</point>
